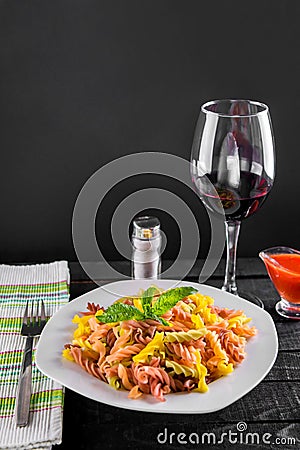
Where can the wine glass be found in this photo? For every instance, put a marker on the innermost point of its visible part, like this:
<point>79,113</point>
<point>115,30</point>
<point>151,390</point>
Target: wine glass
<point>233,167</point>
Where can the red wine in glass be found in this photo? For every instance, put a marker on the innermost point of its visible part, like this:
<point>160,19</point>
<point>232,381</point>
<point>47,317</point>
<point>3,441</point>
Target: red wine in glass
<point>233,167</point>
<point>237,204</point>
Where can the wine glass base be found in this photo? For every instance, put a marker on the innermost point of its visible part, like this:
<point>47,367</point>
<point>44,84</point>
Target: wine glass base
<point>288,310</point>
<point>252,298</point>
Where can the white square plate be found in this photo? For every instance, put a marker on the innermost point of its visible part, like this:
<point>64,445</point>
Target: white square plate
<point>261,354</point>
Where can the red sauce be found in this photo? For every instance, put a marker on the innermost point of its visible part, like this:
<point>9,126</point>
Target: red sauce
<point>286,275</point>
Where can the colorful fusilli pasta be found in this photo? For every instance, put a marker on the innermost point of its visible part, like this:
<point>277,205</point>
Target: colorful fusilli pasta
<point>184,349</point>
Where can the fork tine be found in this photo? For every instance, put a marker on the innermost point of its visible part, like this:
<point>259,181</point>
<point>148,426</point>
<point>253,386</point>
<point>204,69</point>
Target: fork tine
<point>31,314</point>
<point>37,317</point>
<point>43,314</point>
<point>25,316</point>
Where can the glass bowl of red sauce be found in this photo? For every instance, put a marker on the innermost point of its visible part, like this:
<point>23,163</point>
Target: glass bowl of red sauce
<point>283,266</point>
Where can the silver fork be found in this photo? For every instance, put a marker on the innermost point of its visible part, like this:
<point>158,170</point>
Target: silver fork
<point>33,325</point>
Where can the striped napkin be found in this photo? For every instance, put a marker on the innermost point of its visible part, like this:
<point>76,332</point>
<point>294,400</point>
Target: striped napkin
<point>17,284</point>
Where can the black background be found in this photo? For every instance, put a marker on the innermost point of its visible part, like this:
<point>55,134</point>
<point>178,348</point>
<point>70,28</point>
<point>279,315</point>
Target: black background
<point>85,82</point>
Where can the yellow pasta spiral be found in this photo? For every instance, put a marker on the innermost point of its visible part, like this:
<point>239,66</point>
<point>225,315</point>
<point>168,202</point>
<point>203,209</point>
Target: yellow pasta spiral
<point>238,320</point>
<point>67,354</point>
<point>201,300</point>
<point>155,347</point>
<point>202,372</point>
<point>83,328</point>
<point>186,307</point>
<point>214,341</point>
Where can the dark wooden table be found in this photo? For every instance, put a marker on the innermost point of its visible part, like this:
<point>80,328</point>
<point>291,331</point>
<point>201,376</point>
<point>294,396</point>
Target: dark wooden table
<point>271,410</point>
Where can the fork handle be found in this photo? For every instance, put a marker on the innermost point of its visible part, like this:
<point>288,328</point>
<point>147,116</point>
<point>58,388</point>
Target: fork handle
<point>24,385</point>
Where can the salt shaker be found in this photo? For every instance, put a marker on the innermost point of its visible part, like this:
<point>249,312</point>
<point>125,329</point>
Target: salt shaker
<point>146,242</point>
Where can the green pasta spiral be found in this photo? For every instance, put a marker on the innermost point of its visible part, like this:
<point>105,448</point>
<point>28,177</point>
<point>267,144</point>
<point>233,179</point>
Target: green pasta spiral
<point>182,336</point>
<point>181,368</point>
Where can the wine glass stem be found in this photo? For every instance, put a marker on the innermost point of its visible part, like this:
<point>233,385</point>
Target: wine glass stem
<point>232,235</point>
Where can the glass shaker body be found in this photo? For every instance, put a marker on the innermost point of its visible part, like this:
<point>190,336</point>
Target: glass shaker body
<point>146,242</point>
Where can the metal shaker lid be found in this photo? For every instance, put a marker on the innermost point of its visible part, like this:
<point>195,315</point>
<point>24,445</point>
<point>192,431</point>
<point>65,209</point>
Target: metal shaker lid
<point>146,227</point>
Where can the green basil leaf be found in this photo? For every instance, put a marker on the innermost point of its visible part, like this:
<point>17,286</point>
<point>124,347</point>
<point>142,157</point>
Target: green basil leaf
<point>169,299</point>
<point>119,312</point>
<point>147,310</point>
<point>148,295</point>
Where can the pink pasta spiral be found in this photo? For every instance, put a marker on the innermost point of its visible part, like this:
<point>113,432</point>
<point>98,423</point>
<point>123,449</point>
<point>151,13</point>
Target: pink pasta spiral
<point>98,331</point>
<point>244,330</point>
<point>124,352</point>
<point>184,352</point>
<point>219,354</point>
<point>110,338</point>
<point>126,376</point>
<point>140,337</point>
<point>143,325</point>
<point>90,366</point>
<point>179,314</point>
<point>92,309</point>
<point>120,342</point>
<point>226,313</point>
<point>153,379</point>
<point>234,349</point>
